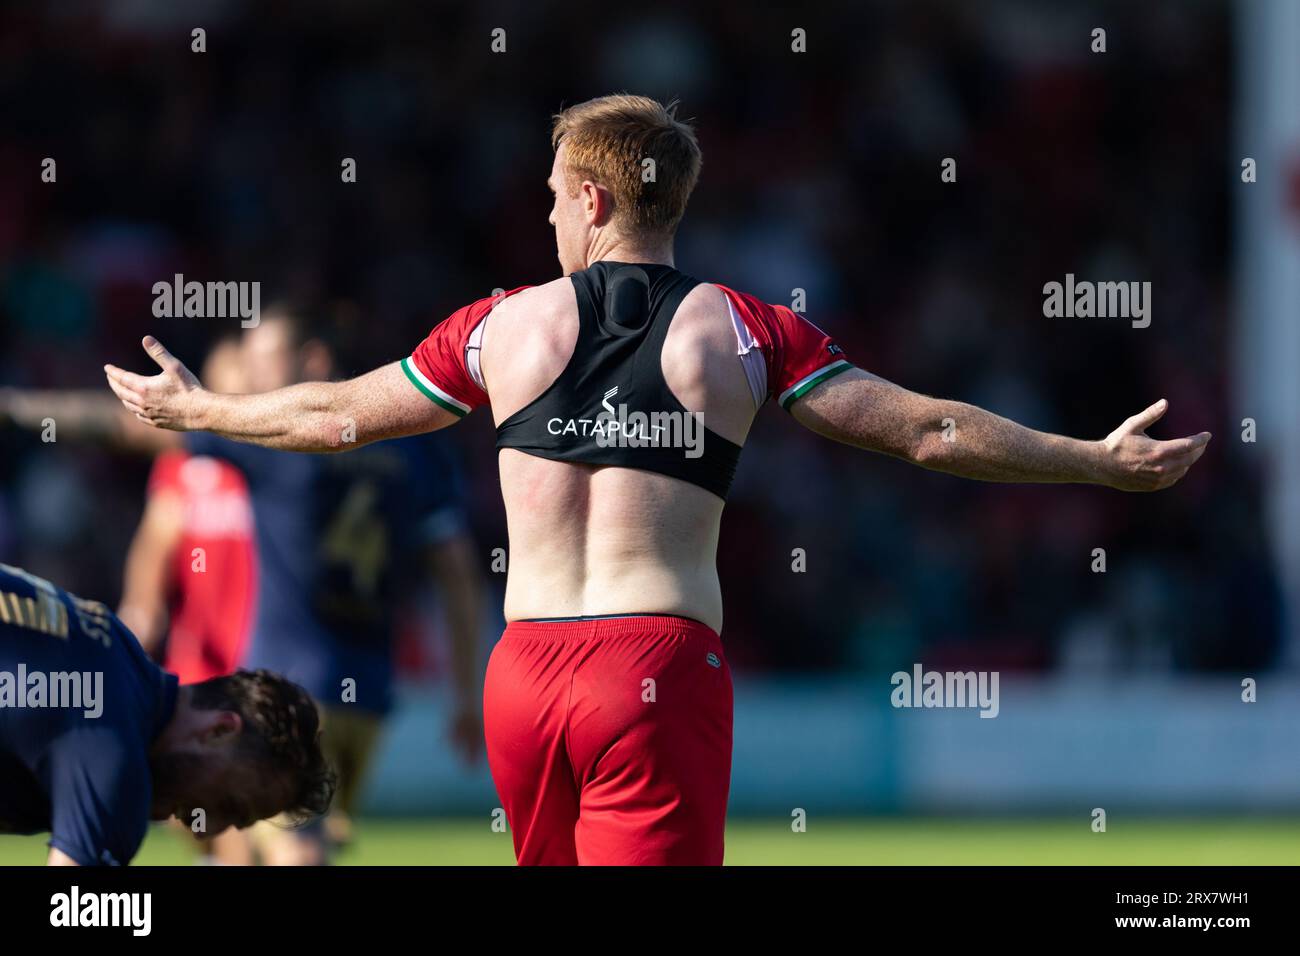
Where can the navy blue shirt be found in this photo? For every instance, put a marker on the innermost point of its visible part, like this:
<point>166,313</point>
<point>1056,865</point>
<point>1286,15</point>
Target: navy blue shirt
<point>339,541</point>
<point>80,706</point>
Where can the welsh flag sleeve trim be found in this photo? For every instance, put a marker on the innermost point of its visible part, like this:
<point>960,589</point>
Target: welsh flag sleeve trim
<point>431,391</point>
<point>811,381</point>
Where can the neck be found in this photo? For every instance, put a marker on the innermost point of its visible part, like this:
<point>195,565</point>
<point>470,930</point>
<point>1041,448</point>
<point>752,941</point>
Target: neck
<point>165,738</point>
<point>631,250</point>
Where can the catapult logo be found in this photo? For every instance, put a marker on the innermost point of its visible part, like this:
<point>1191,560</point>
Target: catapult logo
<point>617,427</point>
<point>74,908</point>
<point>946,689</point>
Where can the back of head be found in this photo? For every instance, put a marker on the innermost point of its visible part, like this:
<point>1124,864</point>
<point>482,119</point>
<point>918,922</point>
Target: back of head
<point>280,737</point>
<point>636,148</point>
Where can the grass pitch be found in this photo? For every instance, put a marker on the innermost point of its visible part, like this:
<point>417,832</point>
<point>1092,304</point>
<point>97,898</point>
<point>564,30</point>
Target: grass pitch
<point>876,841</point>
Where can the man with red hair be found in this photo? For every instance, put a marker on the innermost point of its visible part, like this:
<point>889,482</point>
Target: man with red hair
<point>622,394</point>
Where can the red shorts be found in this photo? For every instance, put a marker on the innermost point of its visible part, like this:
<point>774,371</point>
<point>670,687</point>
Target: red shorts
<point>609,740</point>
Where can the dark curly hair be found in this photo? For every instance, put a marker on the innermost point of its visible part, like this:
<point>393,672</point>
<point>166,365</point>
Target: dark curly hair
<point>281,733</point>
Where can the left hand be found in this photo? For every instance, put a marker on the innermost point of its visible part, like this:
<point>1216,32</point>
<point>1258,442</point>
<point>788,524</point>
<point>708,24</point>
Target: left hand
<point>167,400</point>
<point>1133,461</point>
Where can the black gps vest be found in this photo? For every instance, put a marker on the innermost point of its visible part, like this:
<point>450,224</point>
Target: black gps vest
<point>611,405</point>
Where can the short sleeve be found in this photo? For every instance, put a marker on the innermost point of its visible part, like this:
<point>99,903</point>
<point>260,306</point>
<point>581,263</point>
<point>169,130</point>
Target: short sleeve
<point>799,356</point>
<point>444,367</point>
<point>808,357</point>
<point>101,799</point>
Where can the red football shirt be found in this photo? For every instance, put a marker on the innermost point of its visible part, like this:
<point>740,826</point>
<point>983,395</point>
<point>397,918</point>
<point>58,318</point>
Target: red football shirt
<point>797,355</point>
<point>214,570</point>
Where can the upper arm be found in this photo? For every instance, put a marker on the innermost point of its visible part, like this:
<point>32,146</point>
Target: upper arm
<point>159,531</point>
<point>148,567</point>
<point>867,411</point>
<point>58,858</point>
<point>443,372</point>
<point>391,402</point>
<point>798,355</point>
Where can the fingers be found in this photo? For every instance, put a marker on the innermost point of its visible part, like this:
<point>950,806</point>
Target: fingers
<point>1146,418</point>
<point>120,381</point>
<point>128,380</point>
<point>1153,465</point>
<point>1171,469</point>
<point>1173,461</point>
<point>1182,446</point>
<point>166,361</point>
<point>132,398</point>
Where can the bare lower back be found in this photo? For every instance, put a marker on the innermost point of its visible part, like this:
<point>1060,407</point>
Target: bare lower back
<point>587,540</point>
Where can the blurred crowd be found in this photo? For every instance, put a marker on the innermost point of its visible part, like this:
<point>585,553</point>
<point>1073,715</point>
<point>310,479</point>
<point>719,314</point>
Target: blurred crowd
<point>821,174</point>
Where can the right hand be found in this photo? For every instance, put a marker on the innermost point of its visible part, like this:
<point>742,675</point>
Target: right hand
<point>167,400</point>
<point>1134,462</point>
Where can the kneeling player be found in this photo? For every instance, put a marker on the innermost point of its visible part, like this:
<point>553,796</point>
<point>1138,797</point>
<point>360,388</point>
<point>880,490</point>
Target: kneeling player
<point>96,740</point>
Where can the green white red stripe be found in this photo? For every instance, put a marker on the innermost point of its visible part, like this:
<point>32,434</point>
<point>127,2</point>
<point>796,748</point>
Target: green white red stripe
<point>811,381</point>
<point>431,391</point>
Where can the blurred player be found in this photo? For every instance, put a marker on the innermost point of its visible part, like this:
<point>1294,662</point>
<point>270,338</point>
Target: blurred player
<point>190,572</point>
<point>608,702</point>
<point>189,587</point>
<point>113,741</point>
<point>343,542</point>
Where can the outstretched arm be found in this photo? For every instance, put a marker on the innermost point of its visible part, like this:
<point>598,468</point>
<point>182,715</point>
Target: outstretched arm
<point>861,409</point>
<point>311,416</point>
<point>82,416</point>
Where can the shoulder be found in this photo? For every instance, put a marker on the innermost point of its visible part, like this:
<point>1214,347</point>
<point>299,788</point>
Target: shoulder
<point>705,301</point>
<point>538,315</point>
<point>798,354</point>
<point>764,320</point>
<point>703,320</point>
<point>536,304</point>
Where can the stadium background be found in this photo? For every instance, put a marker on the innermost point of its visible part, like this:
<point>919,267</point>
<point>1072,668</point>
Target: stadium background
<point>1119,690</point>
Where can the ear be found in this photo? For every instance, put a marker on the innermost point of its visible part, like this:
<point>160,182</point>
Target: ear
<point>597,203</point>
<point>222,724</point>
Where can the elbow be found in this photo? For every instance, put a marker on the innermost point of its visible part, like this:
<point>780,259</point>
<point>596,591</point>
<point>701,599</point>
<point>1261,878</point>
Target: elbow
<point>331,435</point>
<point>334,427</point>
